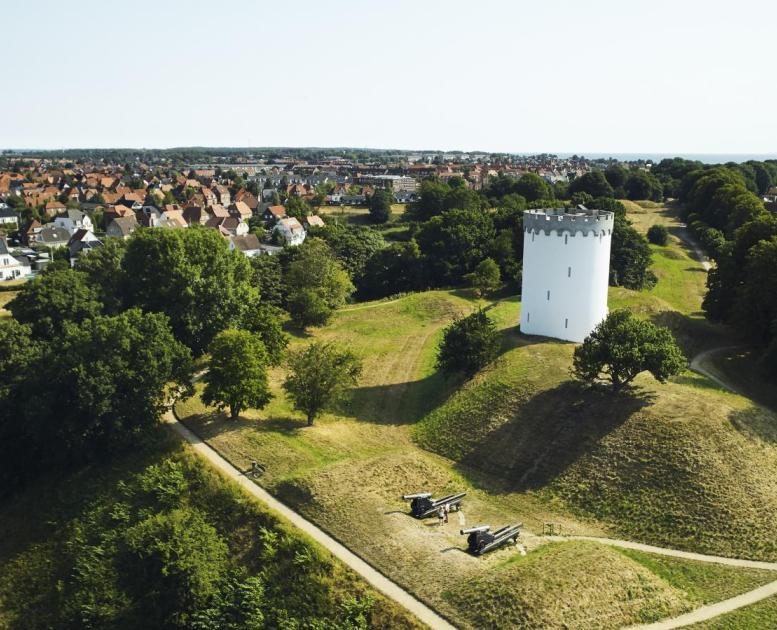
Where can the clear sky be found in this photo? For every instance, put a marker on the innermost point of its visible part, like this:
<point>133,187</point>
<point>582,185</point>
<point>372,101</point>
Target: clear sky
<point>683,76</point>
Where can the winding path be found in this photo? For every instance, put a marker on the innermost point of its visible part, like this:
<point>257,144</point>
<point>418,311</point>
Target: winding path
<point>379,581</point>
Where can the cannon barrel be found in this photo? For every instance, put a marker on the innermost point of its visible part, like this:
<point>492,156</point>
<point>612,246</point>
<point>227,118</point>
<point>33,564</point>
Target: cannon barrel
<point>418,495</point>
<point>479,528</point>
<point>450,498</point>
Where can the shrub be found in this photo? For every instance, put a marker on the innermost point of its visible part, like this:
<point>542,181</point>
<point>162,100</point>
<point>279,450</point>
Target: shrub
<point>658,234</point>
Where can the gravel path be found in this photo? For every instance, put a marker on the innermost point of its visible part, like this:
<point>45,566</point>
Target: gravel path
<point>375,578</point>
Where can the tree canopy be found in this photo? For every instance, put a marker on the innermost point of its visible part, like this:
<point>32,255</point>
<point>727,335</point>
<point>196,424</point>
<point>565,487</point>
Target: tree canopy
<point>468,344</point>
<point>319,375</point>
<point>237,372</point>
<point>317,284</point>
<point>622,346</point>
<point>192,277</point>
<point>53,298</point>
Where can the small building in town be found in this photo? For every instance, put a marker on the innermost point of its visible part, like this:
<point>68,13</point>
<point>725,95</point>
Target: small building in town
<point>12,267</point>
<point>291,230</point>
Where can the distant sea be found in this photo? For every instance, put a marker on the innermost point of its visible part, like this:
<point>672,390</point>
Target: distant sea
<point>706,158</point>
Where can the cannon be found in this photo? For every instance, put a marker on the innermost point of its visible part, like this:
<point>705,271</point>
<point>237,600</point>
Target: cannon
<point>422,504</point>
<point>481,539</point>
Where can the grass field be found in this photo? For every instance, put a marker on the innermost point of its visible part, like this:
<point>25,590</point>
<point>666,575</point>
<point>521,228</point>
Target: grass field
<point>527,446</point>
<point>394,230</point>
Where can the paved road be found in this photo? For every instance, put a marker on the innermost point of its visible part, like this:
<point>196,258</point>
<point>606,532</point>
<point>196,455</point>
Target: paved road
<point>374,577</point>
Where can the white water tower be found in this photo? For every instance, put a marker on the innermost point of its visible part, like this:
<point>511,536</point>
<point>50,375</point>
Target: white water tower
<point>566,268</point>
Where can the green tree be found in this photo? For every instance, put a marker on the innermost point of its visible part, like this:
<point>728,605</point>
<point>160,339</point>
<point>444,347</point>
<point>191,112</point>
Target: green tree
<point>622,346</point>
<point>298,208</point>
<point>380,206</point>
<point>237,372</point>
<point>431,200</point>
<point>53,298</point>
<point>468,344</point>
<point>104,270</point>
<point>353,245</point>
<point>454,242</point>
<point>317,283</point>
<point>658,234</point>
<point>594,183</point>
<point>103,384</point>
<point>485,278</point>
<point>630,258</point>
<point>266,320</point>
<point>267,277</point>
<point>532,187</point>
<point>397,268</point>
<point>192,277</point>
<point>755,310</point>
<point>642,185</point>
<point>319,376</point>
<point>616,177</point>
<point>183,555</point>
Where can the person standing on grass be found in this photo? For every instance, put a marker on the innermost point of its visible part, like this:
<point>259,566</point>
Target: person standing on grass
<point>445,510</point>
<point>440,516</point>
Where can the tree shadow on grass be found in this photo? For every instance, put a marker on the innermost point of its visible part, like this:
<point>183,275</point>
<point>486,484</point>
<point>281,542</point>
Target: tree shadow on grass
<point>755,423</point>
<point>547,435</point>
<point>215,423</point>
<point>409,402</point>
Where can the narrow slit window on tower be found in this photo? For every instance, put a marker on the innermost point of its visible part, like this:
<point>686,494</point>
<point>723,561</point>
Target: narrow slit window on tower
<point>566,238</point>
<point>569,272</point>
<point>528,317</point>
<point>532,237</point>
<point>548,295</point>
<point>566,322</point>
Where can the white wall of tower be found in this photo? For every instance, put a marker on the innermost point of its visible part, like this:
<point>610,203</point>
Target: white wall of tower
<point>565,279</point>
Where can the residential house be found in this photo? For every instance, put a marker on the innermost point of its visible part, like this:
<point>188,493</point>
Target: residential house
<point>132,200</point>
<point>7,215</point>
<point>290,230</point>
<point>172,220</point>
<point>314,221</point>
<point>223,194</point>
<point>149,216</point>
<point>210,197</point>
<point>81,241</point>
<point>74,220</point>
<point>116,212</point>
<point>241,210</point>
<point>247,198</point>
<point>247,244</point>
<point>30,234</point>
<point>274,213</point>
<point>229,226</point>
<point>195,215</point>
<point>122,227</point>
<point>52,236</point>
<point>10,266</point>
<point>53,208</point>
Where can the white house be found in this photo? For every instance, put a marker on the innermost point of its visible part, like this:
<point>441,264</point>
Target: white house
<point>122,227</point>
<point>82,241</point>
<point>10,266</point>
<point>7,215</point>
<point>566,268</point>
<point>74,220</point>
<point>247,244</point>
<point>290,230</point>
